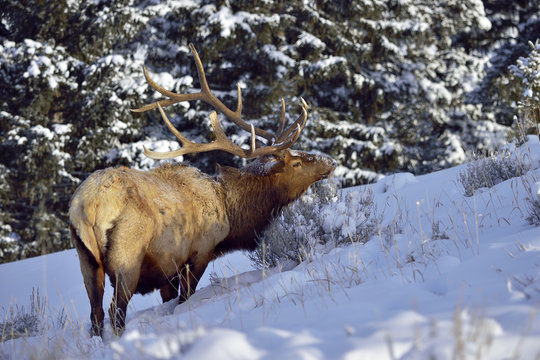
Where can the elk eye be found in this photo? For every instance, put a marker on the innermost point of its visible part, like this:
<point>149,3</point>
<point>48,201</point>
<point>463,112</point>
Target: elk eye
<point>297,164</point>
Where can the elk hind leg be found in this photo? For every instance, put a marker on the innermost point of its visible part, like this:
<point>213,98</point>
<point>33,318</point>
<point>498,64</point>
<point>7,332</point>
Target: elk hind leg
<point>124,271</point>
<point>124,284</point>
<point>94,282</point>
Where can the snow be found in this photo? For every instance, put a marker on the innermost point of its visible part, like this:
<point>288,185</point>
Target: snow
<point>535,190</point>
<point>279,58</point>
<point>62,129</point>
<point>396,181</point>
<point>228,21</point>
<point>328,62</point>
<point>448,276</point>
<point>308,39</point>
<point>43,131</point>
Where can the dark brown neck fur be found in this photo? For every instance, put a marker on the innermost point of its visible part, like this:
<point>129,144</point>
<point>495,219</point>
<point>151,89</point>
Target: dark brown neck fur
<point>252,201</point>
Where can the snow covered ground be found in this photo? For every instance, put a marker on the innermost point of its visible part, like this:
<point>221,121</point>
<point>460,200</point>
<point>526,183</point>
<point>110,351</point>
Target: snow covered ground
<point>449,276</point>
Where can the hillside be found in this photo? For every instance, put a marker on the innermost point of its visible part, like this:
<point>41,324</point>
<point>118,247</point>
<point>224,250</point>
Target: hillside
<point>444,276</point>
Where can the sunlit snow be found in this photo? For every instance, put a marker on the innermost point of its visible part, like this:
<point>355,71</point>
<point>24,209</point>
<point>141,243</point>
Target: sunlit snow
<point>448,276</point>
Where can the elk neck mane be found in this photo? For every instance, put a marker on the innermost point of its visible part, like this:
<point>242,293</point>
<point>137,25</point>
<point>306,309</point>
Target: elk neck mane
<point>252,200</point>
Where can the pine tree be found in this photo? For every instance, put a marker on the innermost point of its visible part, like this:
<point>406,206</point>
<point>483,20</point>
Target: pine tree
<point>389,86</point>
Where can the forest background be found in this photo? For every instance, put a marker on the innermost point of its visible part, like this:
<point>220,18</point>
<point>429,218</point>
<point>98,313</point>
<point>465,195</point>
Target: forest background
<point>392,86</point>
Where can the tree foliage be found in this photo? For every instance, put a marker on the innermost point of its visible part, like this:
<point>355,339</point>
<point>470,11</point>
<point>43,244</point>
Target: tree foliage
<point>392,85</point>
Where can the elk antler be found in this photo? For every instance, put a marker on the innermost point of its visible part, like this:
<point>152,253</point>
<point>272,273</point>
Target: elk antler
<point>282,140</point>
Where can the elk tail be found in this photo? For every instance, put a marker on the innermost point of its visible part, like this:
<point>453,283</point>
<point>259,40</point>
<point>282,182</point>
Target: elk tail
<point>85,241</point>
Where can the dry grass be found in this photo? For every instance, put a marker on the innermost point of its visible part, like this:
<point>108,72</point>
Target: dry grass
<point>316,223</point>
<point>490,170</point>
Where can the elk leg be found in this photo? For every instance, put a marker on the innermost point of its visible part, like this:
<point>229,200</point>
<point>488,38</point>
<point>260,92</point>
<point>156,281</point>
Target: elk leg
<point>191,274</point>
<point>94,282</point>
<point>96,301</point>
<point>124,284</point>
<point>170,290</point>
<point>124,272</point>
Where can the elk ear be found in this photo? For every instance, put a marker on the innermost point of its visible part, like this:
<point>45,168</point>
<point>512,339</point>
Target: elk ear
<point>224,171</point>
<point>287,157</point>
<point>283,155</point>
<point>277,167</point>
<point>221,169</point>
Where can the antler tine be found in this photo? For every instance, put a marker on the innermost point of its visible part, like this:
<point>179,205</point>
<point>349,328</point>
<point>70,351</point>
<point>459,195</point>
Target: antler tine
<point>234,116</point>
<point>221,142</point>
<point>186,143</point>
<point>282,123</point>
<point>173,97</point>
<point>301,121</point>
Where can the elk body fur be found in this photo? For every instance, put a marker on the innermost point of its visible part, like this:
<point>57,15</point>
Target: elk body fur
<point>159,229</point>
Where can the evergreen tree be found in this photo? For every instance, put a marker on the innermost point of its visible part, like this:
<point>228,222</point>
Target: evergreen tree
<point>389,86</point>
<point>515,23</point>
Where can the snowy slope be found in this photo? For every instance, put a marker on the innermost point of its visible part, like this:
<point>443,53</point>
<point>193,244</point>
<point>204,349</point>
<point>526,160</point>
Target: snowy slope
<point>448,277</point>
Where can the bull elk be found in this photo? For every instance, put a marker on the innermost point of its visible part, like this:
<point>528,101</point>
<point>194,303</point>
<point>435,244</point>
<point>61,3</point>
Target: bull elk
<point>159,229</point>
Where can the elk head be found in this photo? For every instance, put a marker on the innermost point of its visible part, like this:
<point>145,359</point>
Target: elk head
<point>295,170</point>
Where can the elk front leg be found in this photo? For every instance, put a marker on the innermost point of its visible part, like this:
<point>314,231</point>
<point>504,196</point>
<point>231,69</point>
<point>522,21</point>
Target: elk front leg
<point>191,274</point>
<point>170,290</point>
